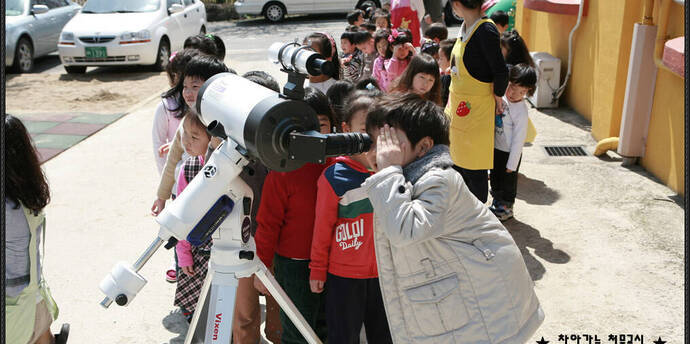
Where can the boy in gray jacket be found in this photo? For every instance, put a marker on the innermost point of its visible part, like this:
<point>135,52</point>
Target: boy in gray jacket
<point>449,271</point>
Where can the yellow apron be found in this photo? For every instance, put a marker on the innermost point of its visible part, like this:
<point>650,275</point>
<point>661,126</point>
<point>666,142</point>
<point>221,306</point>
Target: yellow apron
<point>20,311</point>
<point>471,108</point>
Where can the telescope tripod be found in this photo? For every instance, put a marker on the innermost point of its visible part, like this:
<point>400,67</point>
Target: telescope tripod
<point>216,204</point>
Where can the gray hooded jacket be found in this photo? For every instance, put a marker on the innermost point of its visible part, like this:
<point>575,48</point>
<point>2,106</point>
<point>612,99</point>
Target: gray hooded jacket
<point>449,271</point>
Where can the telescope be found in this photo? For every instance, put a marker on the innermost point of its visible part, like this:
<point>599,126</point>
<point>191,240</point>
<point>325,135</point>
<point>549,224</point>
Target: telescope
<point>254,122</point>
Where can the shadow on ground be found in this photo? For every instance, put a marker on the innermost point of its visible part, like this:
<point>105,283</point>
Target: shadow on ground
<point>528,236</point>
<point>110,74</point>
<point>176,323</point>
<point>538,192</point>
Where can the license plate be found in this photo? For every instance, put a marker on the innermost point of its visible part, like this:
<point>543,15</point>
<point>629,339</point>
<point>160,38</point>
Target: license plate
<point>96,52</point>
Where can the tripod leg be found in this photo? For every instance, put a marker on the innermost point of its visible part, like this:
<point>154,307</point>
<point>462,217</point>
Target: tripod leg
<point>286,304</point>
<point>212,320</point>
<point>195,333</point>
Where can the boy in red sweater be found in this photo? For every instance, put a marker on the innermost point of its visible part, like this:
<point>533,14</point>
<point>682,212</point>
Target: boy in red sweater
<point>342,249</point>
<point>285,224</point>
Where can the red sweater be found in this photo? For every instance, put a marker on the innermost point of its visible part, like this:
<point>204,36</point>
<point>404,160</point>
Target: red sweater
<point>343,242</point>
<point>286,213</point>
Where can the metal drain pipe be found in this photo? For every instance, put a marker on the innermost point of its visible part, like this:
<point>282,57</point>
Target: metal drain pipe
<point>558,92</point>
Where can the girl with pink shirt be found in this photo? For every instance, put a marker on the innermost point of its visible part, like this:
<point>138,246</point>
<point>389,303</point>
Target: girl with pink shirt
<point>192,260</point>
<point>400,43</point>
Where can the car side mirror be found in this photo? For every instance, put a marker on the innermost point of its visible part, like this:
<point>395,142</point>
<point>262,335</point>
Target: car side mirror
<point>176,8</point>
<point>39,9</point>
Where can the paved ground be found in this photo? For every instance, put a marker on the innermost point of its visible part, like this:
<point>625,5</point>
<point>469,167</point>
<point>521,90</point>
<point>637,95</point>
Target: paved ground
<point>604,243</point>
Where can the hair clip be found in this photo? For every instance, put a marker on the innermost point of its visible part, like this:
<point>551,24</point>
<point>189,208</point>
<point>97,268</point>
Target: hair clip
<point>370,87</point>
<point>172,56</point>
<point>394,34</point>
<point>209,35</point>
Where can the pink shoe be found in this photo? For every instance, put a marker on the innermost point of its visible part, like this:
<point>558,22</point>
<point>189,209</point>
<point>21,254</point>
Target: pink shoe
<point>171,276</point>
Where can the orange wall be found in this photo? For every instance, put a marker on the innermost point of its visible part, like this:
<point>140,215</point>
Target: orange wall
<point>596,89</point>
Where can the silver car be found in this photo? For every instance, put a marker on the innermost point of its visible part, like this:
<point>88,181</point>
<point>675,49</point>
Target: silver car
<point>32,29</point>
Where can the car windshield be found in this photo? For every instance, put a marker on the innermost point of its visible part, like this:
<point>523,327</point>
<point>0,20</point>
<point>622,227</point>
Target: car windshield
<point>14,7</point>
<point>121,6</point>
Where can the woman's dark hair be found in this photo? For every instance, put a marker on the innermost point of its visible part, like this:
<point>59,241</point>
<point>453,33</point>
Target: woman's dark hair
<point>201,66</point>
<point>177,63</point>
<point>516,47</point>
<point>357,101</point>
<point>412,114</point>
<point>262,78</point>
<point>446,46</point>
<point>471,4</point>
<point>370,84</point>
<point>500,18</point>
<point>205,44</point>
<point>420,63</point>
<point>327,48</point>
<point>337,94</point>
<point>360,37</point>
<point>436,30</point>
<point>524,75</point>
<point>382,34</point>
<point>319,102</point>
<point>25,182</point>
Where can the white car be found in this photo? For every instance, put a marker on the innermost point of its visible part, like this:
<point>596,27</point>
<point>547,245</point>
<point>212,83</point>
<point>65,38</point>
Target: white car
<point>275,10</point>
<point>127,32</point>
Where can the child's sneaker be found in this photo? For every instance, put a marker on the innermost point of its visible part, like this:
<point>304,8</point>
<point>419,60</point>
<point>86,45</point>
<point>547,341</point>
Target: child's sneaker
<point>171,276</point>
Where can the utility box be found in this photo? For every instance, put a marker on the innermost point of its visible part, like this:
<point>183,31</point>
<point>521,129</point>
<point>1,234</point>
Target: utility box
<point>548,80</point>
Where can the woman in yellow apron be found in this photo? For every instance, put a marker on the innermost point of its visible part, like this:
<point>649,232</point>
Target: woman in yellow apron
<point>29,307</point>
<point>479,78</point>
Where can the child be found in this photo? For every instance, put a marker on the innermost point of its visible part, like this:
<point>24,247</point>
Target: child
<point>352,63</point>
<point>355,17</point>
<point>342,248</point>
<point>448,270</point>
<point>407,14</point>
<point>197,71</point>
<point>209,44</point>
<point>284,232</point>
<point>430,47</point>
<point>29,306</point>
<point>364,42</point>
<point>400,43</point>
<point>323,44</point>
<point>192,260</point>
<point>501,20</point>
<point>166,122</point>
<point>511,131</point>
<point>436,32</point>
<point>514,49</point>
<point>382,19</point>
<point>420,77</point>
<point>444,51</point>
<point>336,98</point>
<point>385,52</point>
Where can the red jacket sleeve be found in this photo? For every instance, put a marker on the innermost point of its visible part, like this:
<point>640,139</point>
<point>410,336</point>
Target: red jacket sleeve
<point>324,226</point>
<point>271,216</point>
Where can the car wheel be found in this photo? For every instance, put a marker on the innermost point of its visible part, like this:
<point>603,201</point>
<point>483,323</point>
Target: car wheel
<point>367,3</point>
<point>23,56</point>
<point>75,69</point>
<point>163,56</point>
<point>450,17</point>
<point>274,12</point>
